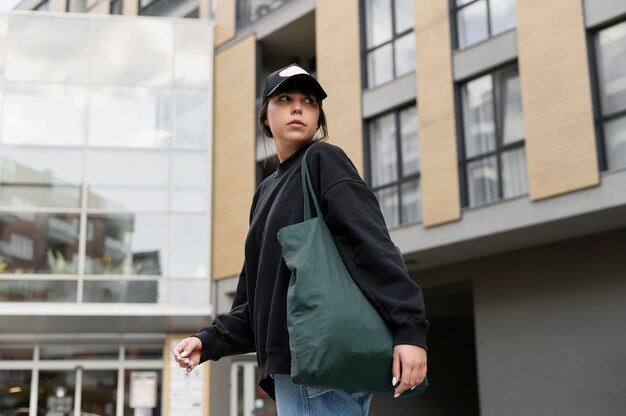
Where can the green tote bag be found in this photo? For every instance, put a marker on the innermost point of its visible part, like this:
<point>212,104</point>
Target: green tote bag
<point>336,337</point>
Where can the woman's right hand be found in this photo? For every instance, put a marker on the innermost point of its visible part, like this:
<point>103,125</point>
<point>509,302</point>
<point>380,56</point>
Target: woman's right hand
<point>187,353</point>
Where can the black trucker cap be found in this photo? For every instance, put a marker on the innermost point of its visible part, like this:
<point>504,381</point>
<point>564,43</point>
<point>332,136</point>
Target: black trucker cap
<point>276,79</point>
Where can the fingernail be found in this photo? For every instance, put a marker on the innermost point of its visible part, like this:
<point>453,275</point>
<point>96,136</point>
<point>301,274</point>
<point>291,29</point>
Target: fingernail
<point>394,381</point>
<point>413,388</point>
<point>396,395</point>
<point>184,354</point>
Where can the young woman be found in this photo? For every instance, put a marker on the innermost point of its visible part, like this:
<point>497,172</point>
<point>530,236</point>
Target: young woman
<point>292,115</point>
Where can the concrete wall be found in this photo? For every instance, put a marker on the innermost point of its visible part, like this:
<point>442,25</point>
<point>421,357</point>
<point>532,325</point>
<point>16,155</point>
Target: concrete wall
<point>550,330</point>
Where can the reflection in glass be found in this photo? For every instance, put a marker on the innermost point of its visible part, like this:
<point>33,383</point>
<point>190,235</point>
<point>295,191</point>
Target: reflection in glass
<point>383,154</point>
<point>502,14</point>
<point>478,118</point>
<point>411,202</point>
<point>15,392</point>
<point>482,179</point>
<point>611,47</point>
<point>405,17</point>
<point>189,170</point>
<point>39,243</point>
<point>472,23</point>
<point>48,115</point>
<point>37,290</point>
<point>514,178</point>
<point>191,65</point>
<point>126,244</point>
<point>40,177</point>
<point>80,352</point>
<point>378,22</point>
<point>132,52</point>
<point>410,141</point>
<point>128,411</point>
<point>615,136</point>
<point>61,55</point>
<point>127,179</point>
<point>56,392</point>
<point>512,119</point>
<point>405,54</point>
<point>188,292</point>
<point>192,115</point>
<point>144,352</point>
<point>99,390</point>
<point>379,66</point>
<point>189,246</point>
<point>101,291</point>
<point>11,354</point>
<point>389,204</point>
<point>150,125</point>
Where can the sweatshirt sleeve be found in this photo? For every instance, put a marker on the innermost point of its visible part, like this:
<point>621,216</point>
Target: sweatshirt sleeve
<point>353,215</point>
<point>230,333</point>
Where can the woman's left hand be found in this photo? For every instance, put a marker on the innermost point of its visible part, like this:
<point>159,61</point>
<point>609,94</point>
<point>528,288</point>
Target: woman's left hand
<point>409,367</point>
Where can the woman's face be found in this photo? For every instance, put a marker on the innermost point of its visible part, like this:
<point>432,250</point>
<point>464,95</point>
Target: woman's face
<point>292,117</point>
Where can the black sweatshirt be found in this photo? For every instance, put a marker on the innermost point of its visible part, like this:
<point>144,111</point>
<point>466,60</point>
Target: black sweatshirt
<point>258,318</point>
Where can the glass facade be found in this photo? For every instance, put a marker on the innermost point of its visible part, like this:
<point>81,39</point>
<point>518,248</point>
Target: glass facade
<point>394,165</point>
<point>610,46</point>
<point>104,160</point>
<point>389,40</point>
<point>493,162</point>
<point>69,377</point>
<point>477,20</point>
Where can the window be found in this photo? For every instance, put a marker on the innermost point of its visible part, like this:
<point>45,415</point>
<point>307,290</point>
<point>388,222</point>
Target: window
<point>477,20</point>
<point>394,165</point>
<point>115,7</point>
<point>44,6</point>
<point>610,51</point>
<point>389,41</point>
<point>493,159</point>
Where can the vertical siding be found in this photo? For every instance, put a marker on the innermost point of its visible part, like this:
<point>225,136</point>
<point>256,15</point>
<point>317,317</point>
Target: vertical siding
<point>233,154</point>
<point>339,70</point>
<point>58,6</point>
<point>554,76</point>
<point>130,8</point>
<point>225,21</point>
<point>435,108</point>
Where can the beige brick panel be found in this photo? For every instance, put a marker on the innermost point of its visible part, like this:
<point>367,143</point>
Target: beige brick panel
<point>556,97</point>
<point>225,21</point>
<point>339,72</point>
<point>435,98</point>
<point>58,6</point>
<point>130,8</point>
<point>233,154</point>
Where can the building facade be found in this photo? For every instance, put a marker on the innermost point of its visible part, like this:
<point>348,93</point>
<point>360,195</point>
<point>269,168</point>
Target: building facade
<point>493,133</point>
<point>104,211</point>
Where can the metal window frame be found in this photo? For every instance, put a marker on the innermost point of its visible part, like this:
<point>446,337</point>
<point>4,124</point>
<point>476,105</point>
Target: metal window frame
<point>455,30</point>
<point>401,179</point>
<point>500,147</point>
<point>365,51</point>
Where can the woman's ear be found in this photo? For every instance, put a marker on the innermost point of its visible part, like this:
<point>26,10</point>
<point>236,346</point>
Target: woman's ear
<point>267,123</point>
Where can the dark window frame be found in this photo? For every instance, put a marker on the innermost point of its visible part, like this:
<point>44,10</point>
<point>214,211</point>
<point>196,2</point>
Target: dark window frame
<point>599,118</point>
<point>499,149</point>
<point>402,179</point>
<point>112,4</point>
<point>365,51</point>
<point>454,11</point>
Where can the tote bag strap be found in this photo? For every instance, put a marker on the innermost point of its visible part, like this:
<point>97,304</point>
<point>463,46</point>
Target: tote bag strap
<point>307,189</point>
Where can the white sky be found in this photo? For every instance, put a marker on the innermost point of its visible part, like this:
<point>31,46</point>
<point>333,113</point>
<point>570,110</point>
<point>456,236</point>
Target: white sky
<point>8,4</point>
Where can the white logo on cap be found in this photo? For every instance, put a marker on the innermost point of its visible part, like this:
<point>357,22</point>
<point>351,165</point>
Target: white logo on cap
<point>292,70</point>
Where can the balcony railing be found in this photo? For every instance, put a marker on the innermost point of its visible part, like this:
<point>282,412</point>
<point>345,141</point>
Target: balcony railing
<point>249,11</point>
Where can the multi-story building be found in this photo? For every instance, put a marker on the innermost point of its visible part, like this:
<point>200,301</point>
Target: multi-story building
<point>493,133</point>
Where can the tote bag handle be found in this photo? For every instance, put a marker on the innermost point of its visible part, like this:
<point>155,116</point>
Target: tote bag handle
<point>307,188</point>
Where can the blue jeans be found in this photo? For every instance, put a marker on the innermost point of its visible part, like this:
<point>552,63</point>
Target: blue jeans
<point>298,400</point>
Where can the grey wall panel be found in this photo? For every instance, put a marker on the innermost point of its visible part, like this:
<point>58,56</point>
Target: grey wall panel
<point>550,330</point>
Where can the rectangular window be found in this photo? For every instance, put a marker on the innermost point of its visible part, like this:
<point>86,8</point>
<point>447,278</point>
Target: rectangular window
<point>493,162</point>
<point>389,41</point>
<point>394,165</point>
<point>610,52</point>
<point>477,20</point>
